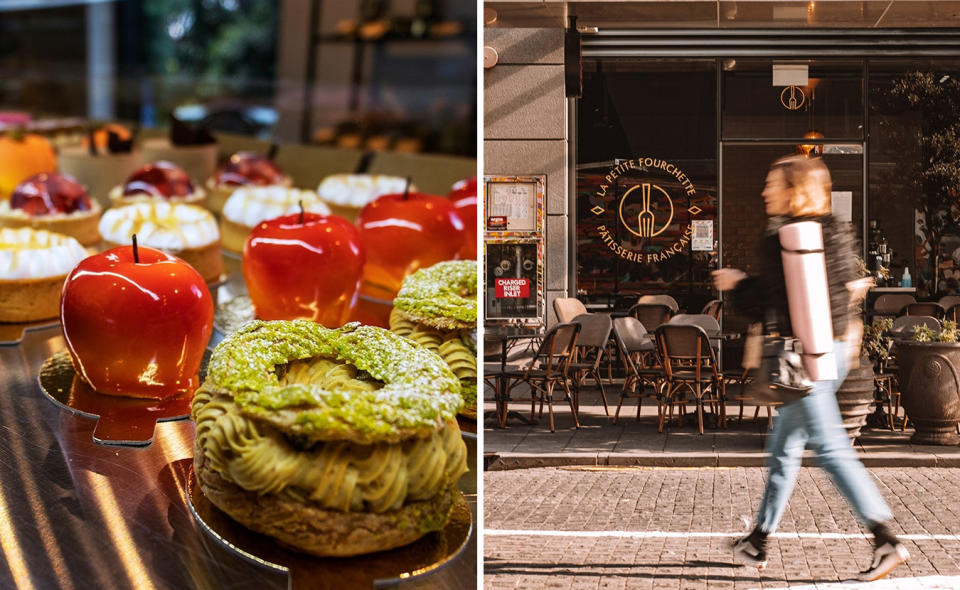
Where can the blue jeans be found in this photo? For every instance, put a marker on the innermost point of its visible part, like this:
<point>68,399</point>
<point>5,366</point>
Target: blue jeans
<point>814,421</point>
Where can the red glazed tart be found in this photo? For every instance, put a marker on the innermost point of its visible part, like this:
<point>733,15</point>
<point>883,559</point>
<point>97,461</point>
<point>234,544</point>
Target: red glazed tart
<point>53,202</point>
<point>243,169</point>
<point>158,180</point>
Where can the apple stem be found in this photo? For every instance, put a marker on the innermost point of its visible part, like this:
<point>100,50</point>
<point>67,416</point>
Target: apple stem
<point>272,152</point>
<point>300,203</point>
<point>406,188</point>
<point>136,253</point>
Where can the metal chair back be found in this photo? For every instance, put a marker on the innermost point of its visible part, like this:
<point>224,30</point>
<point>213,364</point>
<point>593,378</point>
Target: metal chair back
<point>891,303</point>
<point>661,299</point>
<point>948,301</point>
<point>568,308</point>
<point>651,315</point>
<point>926,308</point>
<point>709,324</point>
<point>713,308</point>
<point>631,336</point>
<point>686,352</point>
<point>553,355</point>
<point>903,326</point>
<point>594,330</point>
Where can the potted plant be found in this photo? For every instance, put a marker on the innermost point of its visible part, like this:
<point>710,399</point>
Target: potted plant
<point>930,383</point>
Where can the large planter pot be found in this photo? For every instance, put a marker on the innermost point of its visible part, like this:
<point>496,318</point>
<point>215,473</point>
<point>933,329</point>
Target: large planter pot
<point>930,390</point>
<point>855,397</point>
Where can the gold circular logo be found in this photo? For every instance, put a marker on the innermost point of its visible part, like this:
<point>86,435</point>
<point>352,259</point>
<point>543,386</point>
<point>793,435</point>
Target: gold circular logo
<point>645,223</point>
<point>792,97</point>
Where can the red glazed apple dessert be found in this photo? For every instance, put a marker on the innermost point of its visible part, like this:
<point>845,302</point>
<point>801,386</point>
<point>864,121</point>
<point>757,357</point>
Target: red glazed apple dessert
<point>249,206</point>
<point>54,202</point>
<point>405,232</point>
<point>186,231</point>
<point>33,264</point>
<point>159,180</point>
<point>305,266</point>
<point>348,194</point>
<point>136,322</point>
<point>242,169</point>
<point>464,197</point>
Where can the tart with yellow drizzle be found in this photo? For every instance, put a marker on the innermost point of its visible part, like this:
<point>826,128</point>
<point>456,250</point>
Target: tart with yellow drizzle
<point>188,232</point>
<point>33,266</point>
<point>334,442</point>
<point>437,308</point>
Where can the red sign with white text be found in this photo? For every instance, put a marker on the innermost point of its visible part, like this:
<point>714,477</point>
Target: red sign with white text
<point>511,288</point>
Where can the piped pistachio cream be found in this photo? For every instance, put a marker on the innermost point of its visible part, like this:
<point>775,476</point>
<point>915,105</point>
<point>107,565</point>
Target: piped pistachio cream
<point>443,296</point>
<point>351,419</point>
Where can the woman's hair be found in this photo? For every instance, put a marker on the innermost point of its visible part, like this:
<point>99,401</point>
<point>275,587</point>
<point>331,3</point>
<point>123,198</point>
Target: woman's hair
<point>808,181</point>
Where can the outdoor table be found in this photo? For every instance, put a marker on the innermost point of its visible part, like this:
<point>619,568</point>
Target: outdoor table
<point>507,333</point>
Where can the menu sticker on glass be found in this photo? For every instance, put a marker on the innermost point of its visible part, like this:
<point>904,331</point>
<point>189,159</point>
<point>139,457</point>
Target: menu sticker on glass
<point>515,201</point>
<point>702,240</point>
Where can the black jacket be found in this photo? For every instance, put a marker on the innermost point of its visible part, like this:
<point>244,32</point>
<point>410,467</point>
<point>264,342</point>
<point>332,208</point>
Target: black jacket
<point>757,296</point>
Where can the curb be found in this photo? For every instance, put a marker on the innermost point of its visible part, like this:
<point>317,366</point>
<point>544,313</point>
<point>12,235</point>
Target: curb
<point>510,461</point>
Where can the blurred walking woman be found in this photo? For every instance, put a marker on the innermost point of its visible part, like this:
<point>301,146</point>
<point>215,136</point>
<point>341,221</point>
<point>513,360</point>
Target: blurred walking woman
<point>798,189</point>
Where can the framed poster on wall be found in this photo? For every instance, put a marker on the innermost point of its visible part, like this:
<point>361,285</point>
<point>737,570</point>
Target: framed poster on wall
<point>513,204</point>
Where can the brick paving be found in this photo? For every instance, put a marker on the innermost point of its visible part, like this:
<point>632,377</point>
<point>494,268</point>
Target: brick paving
<point>637,442</point>
<point>596,527</point>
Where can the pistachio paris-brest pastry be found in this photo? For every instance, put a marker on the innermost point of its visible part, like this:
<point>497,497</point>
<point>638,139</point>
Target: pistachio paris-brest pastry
<point>188,232</point>
<point>334,442</point>
<point>437,308</point>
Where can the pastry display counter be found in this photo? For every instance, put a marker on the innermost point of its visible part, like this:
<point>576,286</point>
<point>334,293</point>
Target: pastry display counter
<point>74,513</point>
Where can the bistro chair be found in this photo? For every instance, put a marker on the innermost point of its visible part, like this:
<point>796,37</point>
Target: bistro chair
<point>690,367</point>
<point>635,347</point>
<point>567,308</point>
<point>591,344</point>
<point>546,370</point>
<point>651,315</point>
<point>890,304</point>
<point>948,301</point>
<point>926,308</point>
<point>663,299</point>
<point>904,325</point>
<point>713,308</point>
<point>953,313</point>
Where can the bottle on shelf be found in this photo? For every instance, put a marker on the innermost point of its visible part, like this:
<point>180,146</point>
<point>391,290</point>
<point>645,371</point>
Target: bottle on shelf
<point>906,280</point>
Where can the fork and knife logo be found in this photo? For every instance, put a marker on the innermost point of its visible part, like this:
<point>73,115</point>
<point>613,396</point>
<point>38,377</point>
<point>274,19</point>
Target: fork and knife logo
<point>646,225</point>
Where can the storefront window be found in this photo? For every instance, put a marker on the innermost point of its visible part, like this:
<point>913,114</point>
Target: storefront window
<point>829,104</point>
<point>912,188</point>
<point>646,181</point>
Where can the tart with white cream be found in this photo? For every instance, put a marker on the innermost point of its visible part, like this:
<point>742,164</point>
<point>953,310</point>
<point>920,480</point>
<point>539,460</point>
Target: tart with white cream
<point>53,202</point>
<point>347,194</point>
<point>250,205</point>
<point>158,181</point>
<point>33,266</point>
<point>186,231</point>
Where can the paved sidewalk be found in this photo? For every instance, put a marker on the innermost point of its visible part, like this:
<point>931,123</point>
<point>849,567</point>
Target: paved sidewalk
<point>633,442</point>
<point>653,527</point>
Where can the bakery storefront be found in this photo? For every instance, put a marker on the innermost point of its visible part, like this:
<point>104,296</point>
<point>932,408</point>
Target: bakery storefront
<point>224,228</point>
<point>671,114</point>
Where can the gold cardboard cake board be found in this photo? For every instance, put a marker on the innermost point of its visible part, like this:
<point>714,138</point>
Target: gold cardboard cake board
<point>12,334</point>
<point>124,421</point>
<point>431,552</point>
